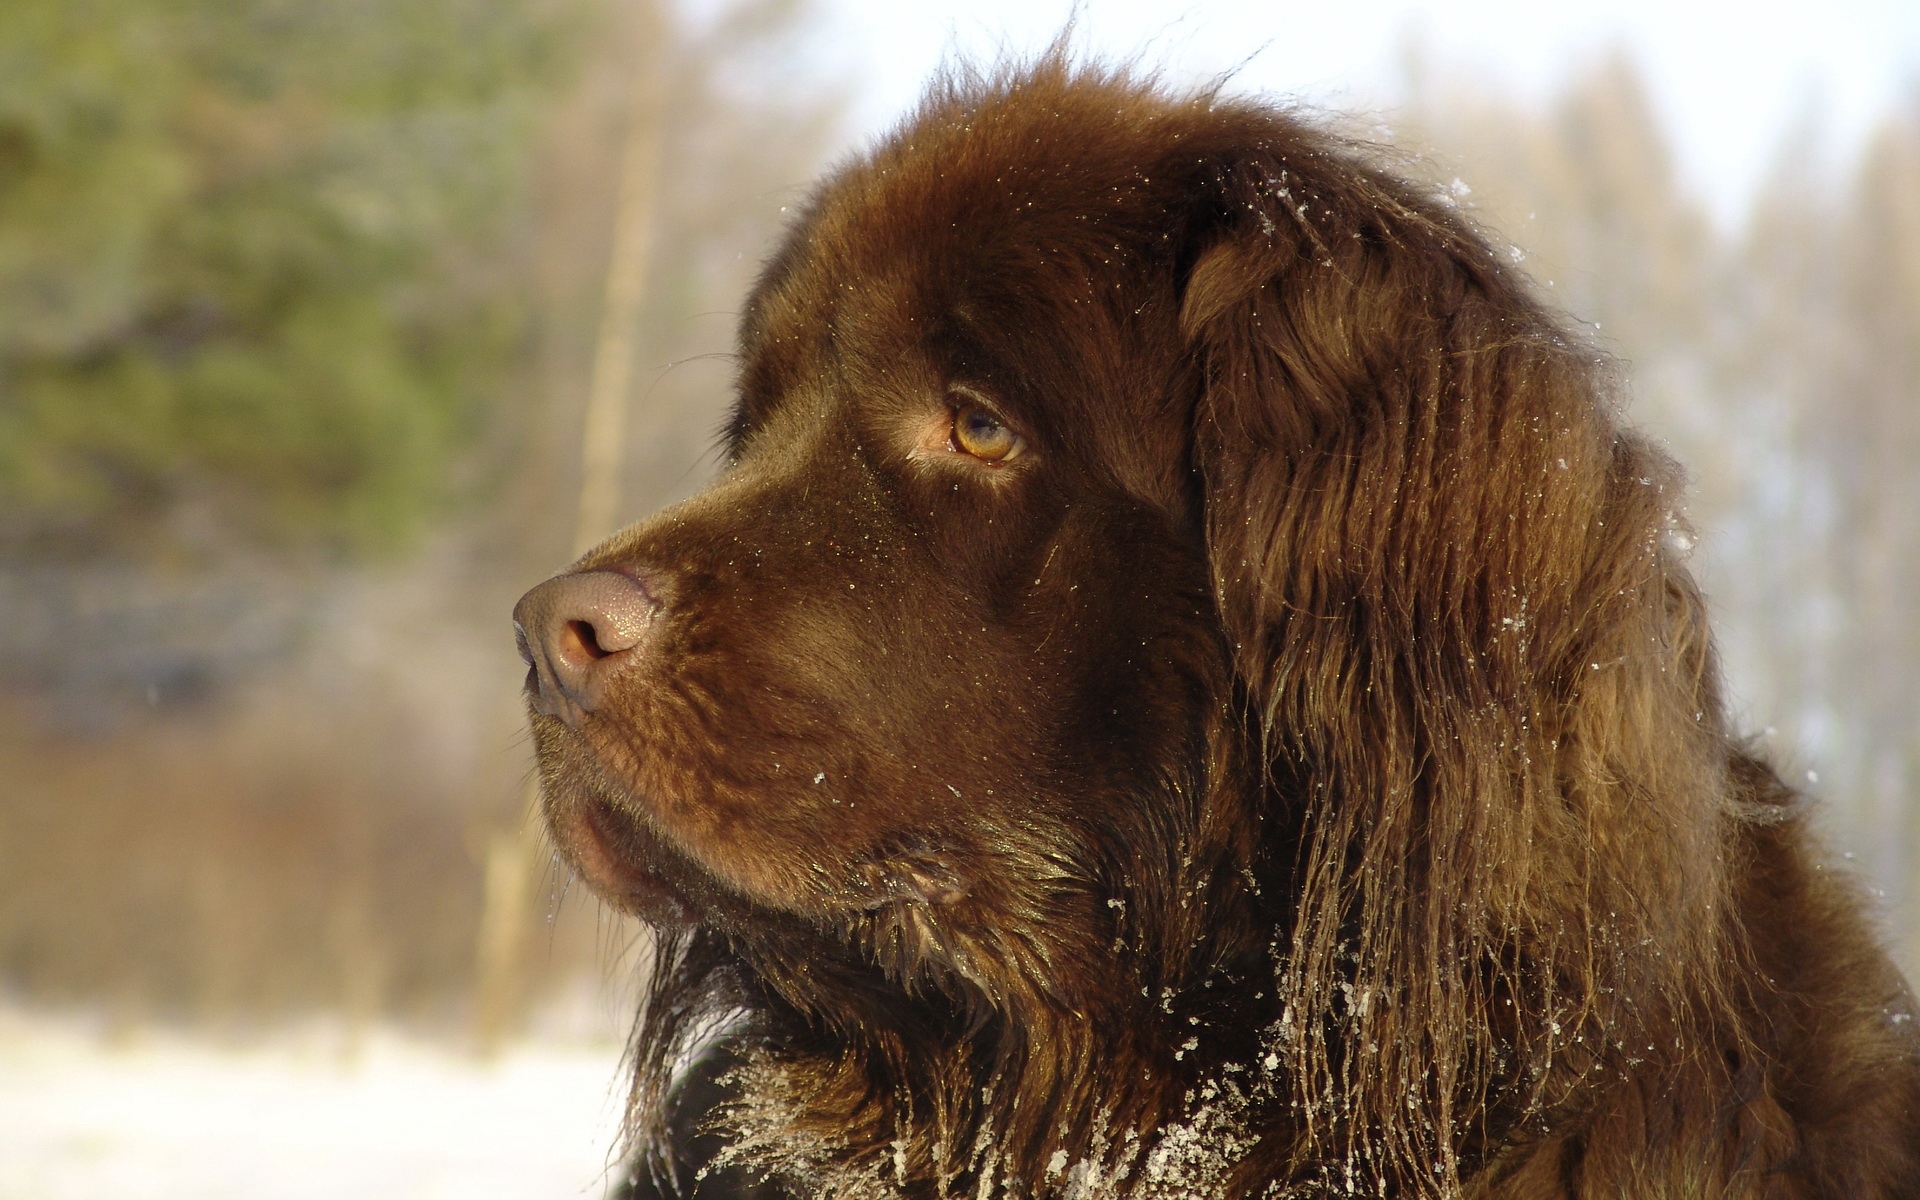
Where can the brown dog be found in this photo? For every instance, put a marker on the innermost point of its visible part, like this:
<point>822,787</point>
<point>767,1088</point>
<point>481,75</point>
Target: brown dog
<point>1182,690</point>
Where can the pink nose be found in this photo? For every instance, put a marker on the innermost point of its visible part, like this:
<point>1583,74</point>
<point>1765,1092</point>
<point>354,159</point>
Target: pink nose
<point>577,631</point>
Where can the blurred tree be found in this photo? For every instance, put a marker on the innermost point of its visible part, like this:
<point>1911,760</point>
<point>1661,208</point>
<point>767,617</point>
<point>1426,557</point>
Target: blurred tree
<point>256,260</point>
<point>743,121</point>
<point>1773,566</point>
<point>1865,427</point>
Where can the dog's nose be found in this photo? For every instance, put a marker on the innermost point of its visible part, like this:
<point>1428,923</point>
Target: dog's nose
<point>577,631</point>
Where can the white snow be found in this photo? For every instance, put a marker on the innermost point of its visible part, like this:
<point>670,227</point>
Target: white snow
<point>159,1115</point>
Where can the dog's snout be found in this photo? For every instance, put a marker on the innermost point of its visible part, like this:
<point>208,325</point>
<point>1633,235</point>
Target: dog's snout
<point>576,631</point>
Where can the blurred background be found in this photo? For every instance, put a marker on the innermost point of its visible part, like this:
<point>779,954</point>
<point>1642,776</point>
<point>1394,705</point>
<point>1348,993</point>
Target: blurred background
<point>329,326</point>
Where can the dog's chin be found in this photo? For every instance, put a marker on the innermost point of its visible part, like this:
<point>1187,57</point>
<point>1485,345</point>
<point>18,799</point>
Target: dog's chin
<point>606,846</point>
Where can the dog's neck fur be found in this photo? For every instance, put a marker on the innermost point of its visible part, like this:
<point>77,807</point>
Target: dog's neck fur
<point>1028,1103</point>
<point>996,1084</point>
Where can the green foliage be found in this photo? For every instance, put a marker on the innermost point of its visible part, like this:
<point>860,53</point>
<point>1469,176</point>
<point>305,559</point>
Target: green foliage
<point>258,265</point>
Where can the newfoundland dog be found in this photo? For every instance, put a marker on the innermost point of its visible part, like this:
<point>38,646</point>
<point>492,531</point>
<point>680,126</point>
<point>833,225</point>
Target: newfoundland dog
<point>1186,688</point>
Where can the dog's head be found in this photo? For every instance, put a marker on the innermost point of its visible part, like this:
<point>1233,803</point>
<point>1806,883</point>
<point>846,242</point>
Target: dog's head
<point>941,643</point>
<point>1151,537</point>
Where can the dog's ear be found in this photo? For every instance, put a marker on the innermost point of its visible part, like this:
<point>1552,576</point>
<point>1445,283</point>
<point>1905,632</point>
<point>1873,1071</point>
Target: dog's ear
<point>1481,684</point>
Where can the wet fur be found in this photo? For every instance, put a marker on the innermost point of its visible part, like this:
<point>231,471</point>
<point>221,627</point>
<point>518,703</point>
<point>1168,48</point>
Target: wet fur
<point>1302,773</point>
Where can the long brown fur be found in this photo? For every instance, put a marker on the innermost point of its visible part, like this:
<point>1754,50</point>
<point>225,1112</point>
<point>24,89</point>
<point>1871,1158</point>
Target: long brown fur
<point>1300,772</point>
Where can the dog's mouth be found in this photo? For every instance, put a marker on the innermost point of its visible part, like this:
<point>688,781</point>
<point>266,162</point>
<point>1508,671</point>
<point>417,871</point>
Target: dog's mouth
<point>628,865</point>
<point>606,846</point>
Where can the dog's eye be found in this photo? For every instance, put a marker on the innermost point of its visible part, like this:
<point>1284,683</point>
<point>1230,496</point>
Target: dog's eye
<point>979,433</point>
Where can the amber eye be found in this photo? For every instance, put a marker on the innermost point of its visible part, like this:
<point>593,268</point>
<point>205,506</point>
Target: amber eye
<point>979,433</point>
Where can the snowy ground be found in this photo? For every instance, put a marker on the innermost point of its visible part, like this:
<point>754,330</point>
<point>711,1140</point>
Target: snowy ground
<point>159,1116</point>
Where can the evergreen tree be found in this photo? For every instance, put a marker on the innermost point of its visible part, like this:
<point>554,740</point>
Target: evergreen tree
<point>257,267</point>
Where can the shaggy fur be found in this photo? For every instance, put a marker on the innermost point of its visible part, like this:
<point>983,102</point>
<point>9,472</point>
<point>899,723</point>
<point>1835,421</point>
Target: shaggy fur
<point>1298,770</point>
